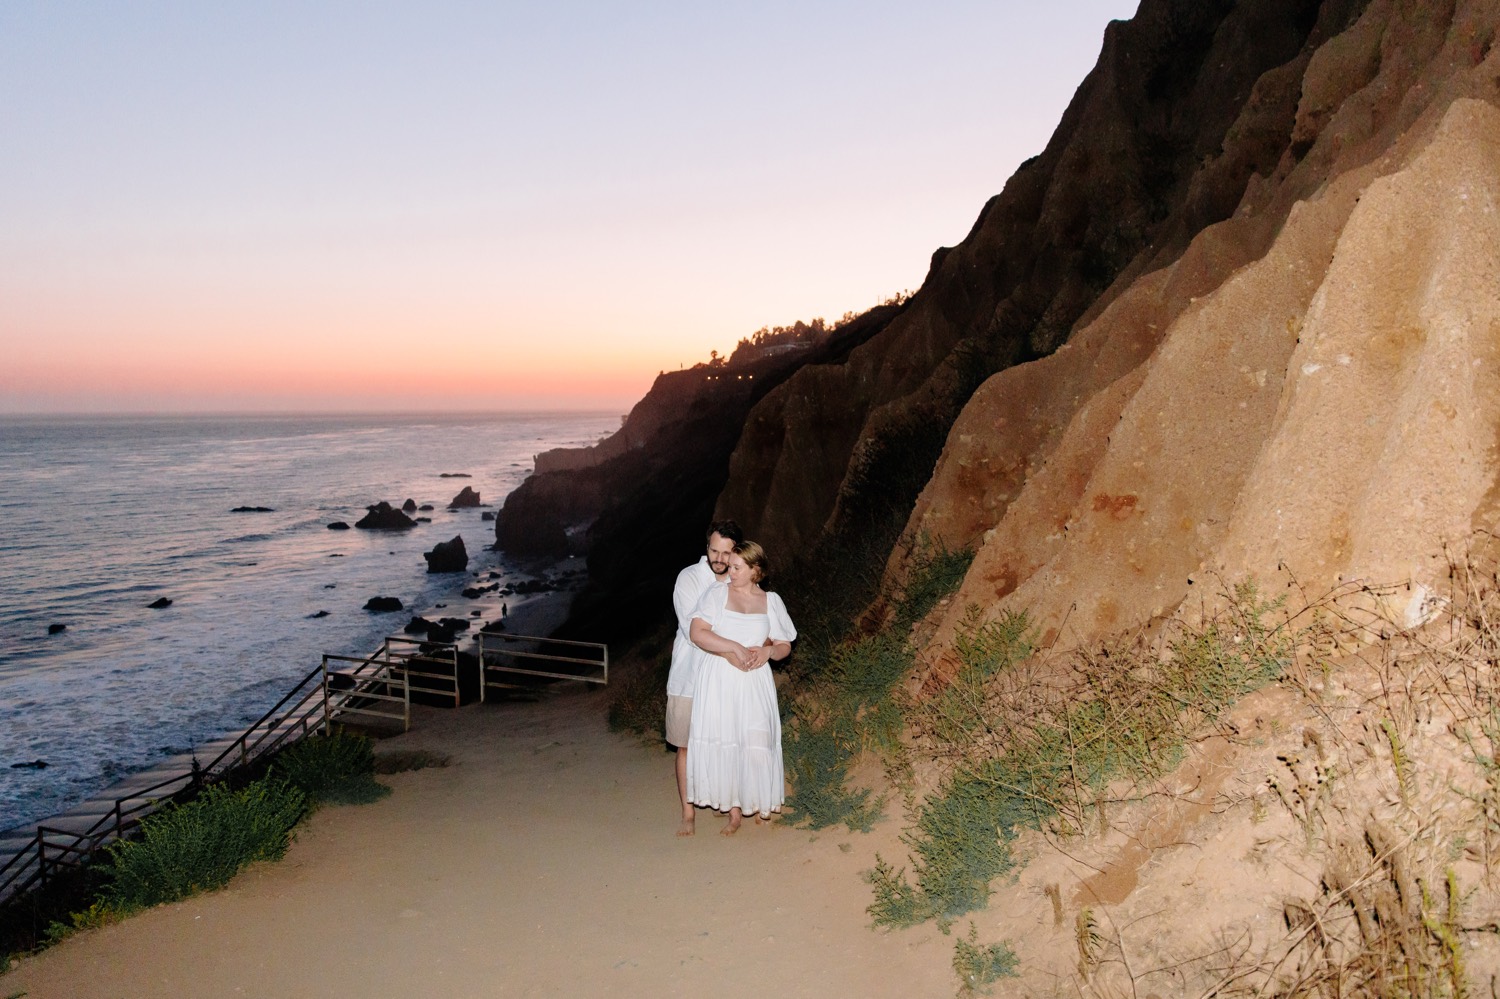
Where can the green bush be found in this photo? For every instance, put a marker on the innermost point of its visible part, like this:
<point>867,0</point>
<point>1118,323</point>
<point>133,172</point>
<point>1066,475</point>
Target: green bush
<point>936,571</point>
<point>851,704</point>
<point>817,764</point>
<point>337,769</point>
<point>200,845</point>
<point>897,903</point>
<point>980,967</point>
<point>984,649</point>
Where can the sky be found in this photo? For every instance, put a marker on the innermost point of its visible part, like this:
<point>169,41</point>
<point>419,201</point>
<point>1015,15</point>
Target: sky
<point>377,206</point>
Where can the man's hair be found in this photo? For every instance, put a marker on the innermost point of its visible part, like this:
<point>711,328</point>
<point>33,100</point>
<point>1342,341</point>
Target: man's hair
<point>725,529</point>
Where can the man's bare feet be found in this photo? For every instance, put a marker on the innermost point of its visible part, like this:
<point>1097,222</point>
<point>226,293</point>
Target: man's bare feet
<point>687,826</point>
<point>733,825</point>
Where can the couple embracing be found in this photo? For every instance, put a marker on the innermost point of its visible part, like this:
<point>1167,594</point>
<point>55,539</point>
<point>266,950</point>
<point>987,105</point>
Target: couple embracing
<point>721,699</point>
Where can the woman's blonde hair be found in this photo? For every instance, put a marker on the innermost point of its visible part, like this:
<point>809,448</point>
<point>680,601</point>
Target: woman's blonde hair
<point>755,557</point>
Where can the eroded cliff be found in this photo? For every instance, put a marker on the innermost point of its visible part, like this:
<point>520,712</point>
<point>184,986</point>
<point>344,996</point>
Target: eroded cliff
<point>1306,392</point>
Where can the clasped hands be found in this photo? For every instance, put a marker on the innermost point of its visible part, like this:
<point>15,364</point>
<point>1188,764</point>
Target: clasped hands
<point>747,659</point>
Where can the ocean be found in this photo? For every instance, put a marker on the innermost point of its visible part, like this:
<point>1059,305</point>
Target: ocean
<point>103,515</point>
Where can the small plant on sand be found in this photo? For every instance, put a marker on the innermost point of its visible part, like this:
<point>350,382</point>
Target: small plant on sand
<point>960,844</point>
<point>335,769</point>
<point>818,767</point>
<point>980,967</point>
<point>200,845</point>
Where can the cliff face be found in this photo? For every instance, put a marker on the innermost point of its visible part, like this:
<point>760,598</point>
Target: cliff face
<point>1187,104</point>
<point>1307,392</point>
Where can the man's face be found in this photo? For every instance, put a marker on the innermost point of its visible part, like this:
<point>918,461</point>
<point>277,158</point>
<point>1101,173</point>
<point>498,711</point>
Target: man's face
<point>719,550</point>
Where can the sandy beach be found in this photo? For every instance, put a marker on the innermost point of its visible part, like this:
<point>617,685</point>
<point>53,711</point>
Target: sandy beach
<point>541,862</point>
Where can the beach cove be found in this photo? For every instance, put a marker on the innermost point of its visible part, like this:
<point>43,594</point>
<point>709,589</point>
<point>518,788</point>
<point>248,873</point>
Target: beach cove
<point>542,861</point>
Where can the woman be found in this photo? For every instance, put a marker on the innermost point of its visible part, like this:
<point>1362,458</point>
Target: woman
<point>734,742</point>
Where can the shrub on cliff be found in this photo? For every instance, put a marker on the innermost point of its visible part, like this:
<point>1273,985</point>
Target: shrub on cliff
<point>200,845</point>
<point>849,704</point>
<point>1018,758</point>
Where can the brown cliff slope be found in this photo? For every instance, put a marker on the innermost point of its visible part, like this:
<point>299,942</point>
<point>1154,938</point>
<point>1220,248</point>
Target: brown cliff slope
<point>1188,104</point>
<point>1310,385</point>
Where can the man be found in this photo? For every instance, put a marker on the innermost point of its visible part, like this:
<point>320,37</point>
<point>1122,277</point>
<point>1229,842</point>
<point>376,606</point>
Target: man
<point>710,570</point>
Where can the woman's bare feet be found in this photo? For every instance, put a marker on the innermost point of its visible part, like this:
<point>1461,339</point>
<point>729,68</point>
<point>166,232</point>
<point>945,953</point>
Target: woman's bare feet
<point>687,826</point>
<point>733,826</point>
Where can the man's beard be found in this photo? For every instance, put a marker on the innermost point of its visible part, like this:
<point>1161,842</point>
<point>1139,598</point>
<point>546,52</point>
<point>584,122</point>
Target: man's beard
<point>719,568</point>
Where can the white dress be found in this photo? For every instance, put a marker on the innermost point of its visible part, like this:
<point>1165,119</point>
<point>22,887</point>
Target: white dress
<point>734,744</point>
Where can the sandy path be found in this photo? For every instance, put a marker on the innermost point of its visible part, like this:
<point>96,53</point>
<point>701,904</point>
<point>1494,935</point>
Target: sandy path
<point>541,863</point>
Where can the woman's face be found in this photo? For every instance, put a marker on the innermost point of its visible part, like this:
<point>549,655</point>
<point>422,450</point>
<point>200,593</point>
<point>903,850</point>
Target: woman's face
<point>740,574</point>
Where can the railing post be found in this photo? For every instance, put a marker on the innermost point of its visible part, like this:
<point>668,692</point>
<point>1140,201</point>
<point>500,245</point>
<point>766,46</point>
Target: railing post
<point>327,711</point>
<point>482,683</point>
<point>41,857</point>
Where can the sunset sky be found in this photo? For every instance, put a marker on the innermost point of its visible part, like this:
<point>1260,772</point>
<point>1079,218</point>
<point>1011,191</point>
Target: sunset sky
<point>463,205</point>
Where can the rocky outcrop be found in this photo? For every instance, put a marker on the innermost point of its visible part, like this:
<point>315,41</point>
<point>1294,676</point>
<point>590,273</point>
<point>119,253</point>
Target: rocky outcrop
<point>466,497</point>
<point>448,556</point>
<point>383,605</point>
<point>383,517</point>
<point>410,506</point>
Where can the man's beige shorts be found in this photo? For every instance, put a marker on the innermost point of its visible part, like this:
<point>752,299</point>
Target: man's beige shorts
<point>679,714</point>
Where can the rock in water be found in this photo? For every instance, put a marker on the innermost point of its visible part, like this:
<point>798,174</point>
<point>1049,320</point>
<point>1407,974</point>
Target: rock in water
<point>338,525</point>
<point>160,602</point>
<point>384,517</point>
<point>410,506</point>
<point>468,497</point>
<point>382,605</point>
<point>53,629</point>
<point>487,515</point>
<point>317,614</point>
<point>448,556</point>
<point>33,765</point>
<point>252,509</point>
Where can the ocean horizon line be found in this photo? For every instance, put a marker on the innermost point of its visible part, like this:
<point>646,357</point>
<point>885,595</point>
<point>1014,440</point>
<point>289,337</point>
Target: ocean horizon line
<point>228,414</point>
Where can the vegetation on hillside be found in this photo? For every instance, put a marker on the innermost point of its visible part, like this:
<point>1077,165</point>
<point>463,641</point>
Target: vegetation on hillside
<point>755,346</point>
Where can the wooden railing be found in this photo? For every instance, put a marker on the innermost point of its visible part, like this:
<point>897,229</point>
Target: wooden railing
<point>546,658</point>
<point>309,707</point>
